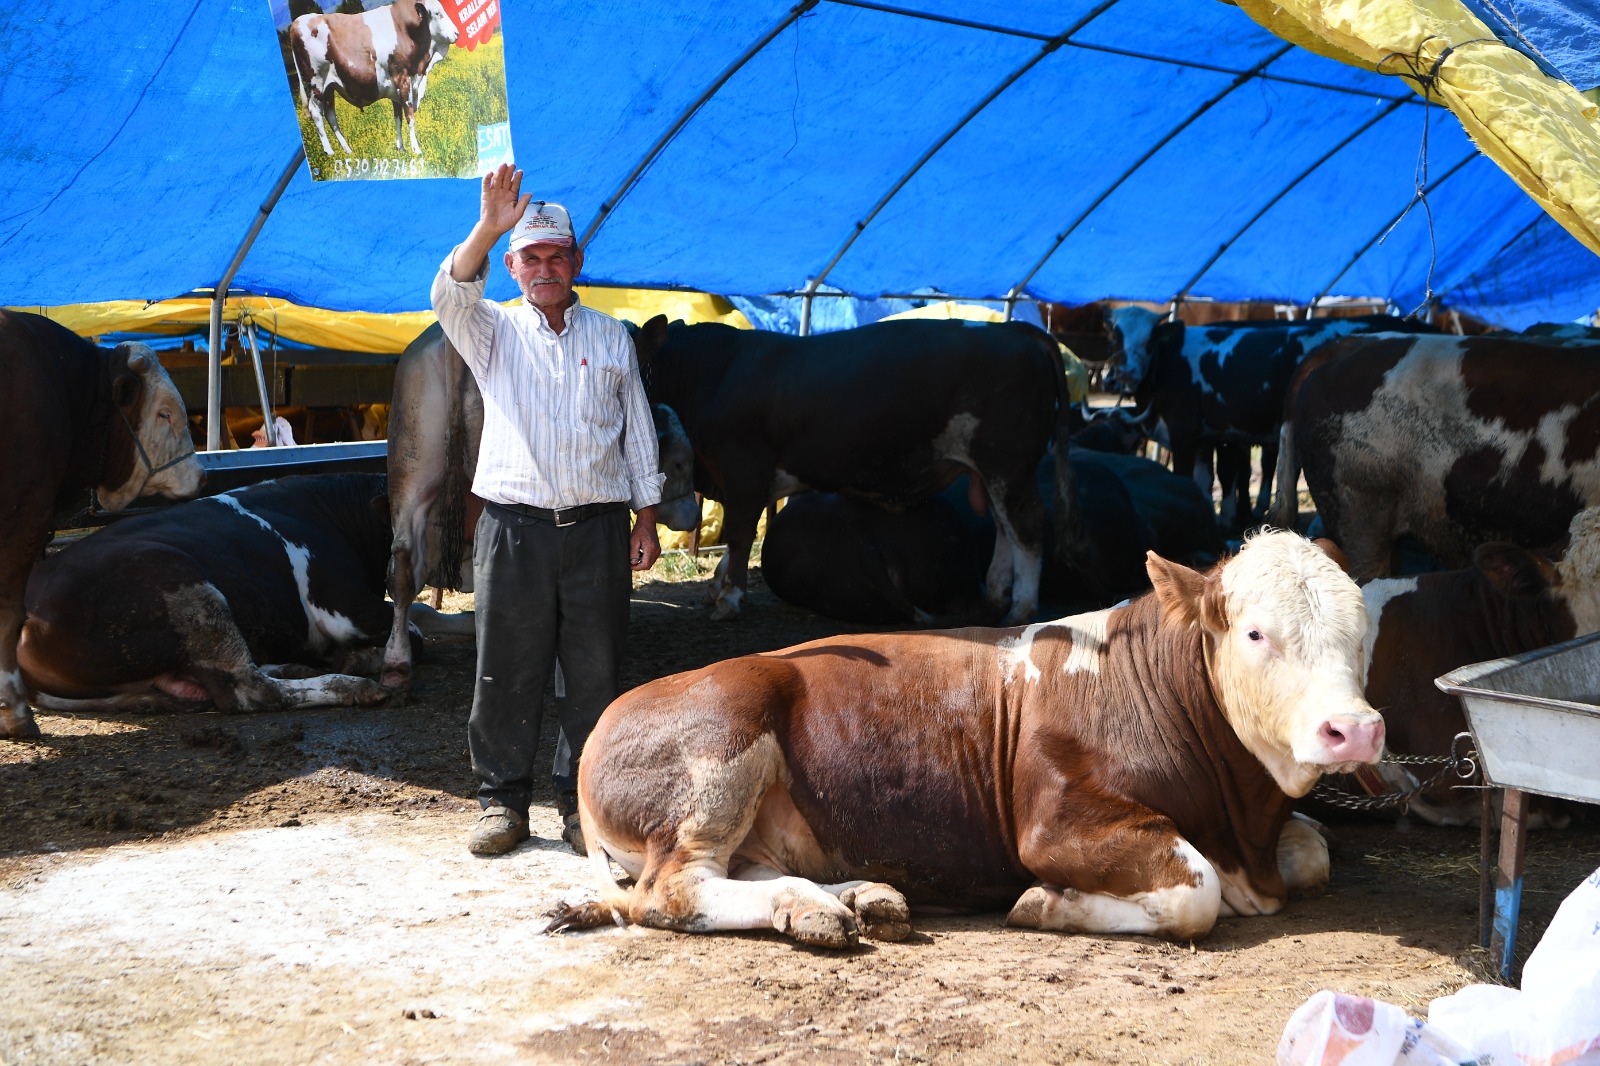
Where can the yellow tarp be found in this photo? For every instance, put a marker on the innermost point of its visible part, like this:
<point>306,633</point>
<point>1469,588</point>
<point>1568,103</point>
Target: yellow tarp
<point>355,331</point>
<point>1540,130</point>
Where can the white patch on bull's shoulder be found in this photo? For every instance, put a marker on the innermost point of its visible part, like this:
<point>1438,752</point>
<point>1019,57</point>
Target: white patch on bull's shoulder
<point>324,629</point>
<point>955,442</point>
<point>1086,631</point>
<point>1377,595</point>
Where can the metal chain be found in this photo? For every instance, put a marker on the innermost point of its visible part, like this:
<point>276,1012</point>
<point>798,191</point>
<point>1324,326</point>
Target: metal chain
<point>1462,762</point>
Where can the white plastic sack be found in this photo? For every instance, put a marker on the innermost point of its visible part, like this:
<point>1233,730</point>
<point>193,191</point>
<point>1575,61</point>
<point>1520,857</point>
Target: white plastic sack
<point>1554,1020</point>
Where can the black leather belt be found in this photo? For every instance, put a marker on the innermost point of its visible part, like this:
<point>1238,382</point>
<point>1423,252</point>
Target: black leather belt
<point>565,516</point>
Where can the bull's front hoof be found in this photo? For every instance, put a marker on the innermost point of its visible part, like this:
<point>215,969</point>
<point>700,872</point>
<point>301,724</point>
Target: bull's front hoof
<point>724,611</point>
<point>370,694</point>
<point>881,910</point>
<point>817,924</point>
<point>1028,912</point>
<point>18,725</point>
<point>397,679</point>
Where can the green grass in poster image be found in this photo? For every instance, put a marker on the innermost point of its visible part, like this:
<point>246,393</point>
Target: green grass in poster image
<point>465,90</point>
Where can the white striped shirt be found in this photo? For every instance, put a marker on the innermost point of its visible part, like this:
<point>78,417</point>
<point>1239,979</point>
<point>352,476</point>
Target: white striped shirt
<point>565,419</point>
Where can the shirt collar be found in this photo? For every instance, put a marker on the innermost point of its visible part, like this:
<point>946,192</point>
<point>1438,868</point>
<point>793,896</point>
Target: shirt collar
<point>570,318</point>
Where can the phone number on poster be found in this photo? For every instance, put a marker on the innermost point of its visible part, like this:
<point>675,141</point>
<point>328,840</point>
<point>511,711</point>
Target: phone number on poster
<point>376,168</point>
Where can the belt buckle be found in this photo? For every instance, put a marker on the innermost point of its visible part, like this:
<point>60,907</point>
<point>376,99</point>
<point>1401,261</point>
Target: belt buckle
<point>565,517</point>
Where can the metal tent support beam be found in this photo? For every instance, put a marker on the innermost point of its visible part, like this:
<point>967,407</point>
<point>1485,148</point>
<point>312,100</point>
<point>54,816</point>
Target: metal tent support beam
<point>1387,226</point>
<point>219,296</point>
<point>1268,206</point>
<point>1011,79</point>
<point>1061,238</point>
<point>610,204</point>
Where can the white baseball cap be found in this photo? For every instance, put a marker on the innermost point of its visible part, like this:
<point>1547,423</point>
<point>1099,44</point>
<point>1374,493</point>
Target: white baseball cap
<point>542,223</point>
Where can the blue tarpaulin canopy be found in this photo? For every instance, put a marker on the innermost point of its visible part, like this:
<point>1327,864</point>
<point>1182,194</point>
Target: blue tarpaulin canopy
<point>1064,149</point>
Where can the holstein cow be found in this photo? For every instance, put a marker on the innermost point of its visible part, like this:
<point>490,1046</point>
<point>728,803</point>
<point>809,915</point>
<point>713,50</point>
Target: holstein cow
<point>383,53</point>
<point>891,412</point>
<point>1126,771</point>
<point>1508,602</point>
<point>1456,441</point>
<point>850,559</point>
<point>435,424</point>
<point>79,417</point>
<point>1221,385</point>
<point>173,610</point>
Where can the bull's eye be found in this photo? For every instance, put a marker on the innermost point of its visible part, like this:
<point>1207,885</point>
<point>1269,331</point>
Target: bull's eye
<point>1255,635</point>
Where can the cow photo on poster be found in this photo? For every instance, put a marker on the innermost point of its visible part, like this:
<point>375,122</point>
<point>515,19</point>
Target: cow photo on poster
<point>408,89</point>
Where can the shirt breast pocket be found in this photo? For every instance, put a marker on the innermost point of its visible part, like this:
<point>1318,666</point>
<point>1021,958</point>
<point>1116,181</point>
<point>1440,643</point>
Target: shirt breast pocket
<point>599,393</point>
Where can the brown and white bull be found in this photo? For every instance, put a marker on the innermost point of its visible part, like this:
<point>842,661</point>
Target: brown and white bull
<point>435,423</point>
<point>1509,601</point>
<point>1129,770</point>
<point>77,417</point>
<point>383,53</point>
<point>1456,441</point>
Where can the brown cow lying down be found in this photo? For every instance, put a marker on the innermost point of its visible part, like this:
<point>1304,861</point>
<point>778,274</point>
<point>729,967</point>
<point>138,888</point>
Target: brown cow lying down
<point>1125,771</point>
<point>1509,601</point>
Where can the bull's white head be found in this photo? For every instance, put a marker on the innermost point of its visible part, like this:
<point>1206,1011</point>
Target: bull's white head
<point>442,29</point>
<point>678,509</point>
<point>1128,352</point>
<point>149,405</point>
<point>1284,632</point>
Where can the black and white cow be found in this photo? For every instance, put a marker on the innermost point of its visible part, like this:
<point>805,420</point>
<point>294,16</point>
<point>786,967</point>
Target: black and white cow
<point>176,609</point>
<point>850,559</point>
<point>1204,387</point>
<point>891,412</point>
<point>1454,441</point>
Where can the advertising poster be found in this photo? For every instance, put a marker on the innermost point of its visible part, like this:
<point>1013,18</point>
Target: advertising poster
<point>408,89</point>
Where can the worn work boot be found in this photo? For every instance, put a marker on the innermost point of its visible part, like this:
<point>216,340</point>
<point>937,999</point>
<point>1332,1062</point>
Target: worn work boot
<point>499,829</point>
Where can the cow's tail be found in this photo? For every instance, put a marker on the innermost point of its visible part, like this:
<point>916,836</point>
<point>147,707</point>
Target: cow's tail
<point>451,507</point>
<point>1075,552</point>
<point>1285,512</point>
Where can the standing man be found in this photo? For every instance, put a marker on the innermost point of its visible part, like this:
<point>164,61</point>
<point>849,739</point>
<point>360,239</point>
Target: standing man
<point>568,447</point>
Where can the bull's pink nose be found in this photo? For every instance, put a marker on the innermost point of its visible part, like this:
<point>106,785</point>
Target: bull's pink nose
<point>1353,740</point>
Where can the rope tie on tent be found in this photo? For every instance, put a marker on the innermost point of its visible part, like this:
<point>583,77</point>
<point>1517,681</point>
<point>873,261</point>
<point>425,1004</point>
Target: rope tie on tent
<point>1425,80</point>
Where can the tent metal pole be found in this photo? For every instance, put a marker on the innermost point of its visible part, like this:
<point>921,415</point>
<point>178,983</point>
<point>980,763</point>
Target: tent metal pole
<point>1268,206</point>
<point>611,203</point>
<point>1011,79</point>
<point>1061,238</point>
<point>219,296</point>
<point>1387,226</point>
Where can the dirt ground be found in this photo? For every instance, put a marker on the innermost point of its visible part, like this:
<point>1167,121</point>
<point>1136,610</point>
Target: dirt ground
<point>296,889</point>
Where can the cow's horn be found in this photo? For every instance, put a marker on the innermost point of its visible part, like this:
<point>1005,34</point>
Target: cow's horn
<point>138,362</point>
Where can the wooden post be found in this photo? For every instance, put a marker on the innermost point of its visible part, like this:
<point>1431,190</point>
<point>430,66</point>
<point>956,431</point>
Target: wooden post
<point>1508,882</point>
<point>1485,866</point>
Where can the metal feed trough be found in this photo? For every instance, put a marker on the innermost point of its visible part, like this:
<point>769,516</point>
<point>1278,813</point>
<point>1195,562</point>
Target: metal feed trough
<point>1535,719</point>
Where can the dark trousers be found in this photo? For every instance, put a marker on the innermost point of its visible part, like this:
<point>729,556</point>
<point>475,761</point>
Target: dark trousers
<point>543,594</point>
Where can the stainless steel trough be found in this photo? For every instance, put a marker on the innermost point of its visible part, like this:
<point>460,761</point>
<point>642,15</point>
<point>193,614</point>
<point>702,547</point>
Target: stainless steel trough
<point>1536,718</point>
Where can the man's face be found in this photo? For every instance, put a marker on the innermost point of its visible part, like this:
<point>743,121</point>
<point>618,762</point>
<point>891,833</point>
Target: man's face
<point>545,272</point>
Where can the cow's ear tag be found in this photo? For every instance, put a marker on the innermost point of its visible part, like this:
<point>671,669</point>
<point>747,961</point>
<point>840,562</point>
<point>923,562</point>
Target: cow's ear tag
<point>1178,589</point>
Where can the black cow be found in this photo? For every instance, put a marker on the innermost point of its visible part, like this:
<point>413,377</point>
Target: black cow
<point>849,559</point>
<point>1224,384</point>
<point>892,412</point>
<point>1454,441</point>
<point>77,417</point>
<point>173,610</point>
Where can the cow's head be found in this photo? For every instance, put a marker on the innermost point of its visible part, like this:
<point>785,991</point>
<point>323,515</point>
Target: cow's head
<point>1128,350</point>
<point>1283,637</point>
<point>442,29</point>
<point>678,509</point>
<point>156,421</point>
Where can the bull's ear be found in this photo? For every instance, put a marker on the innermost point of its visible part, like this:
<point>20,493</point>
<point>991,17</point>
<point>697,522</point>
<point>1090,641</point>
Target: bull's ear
<point>1514,571</point>
<point>1179,589</point>
<point>126,387</point>
<point>1334,552</point>
<point>652,336</point>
